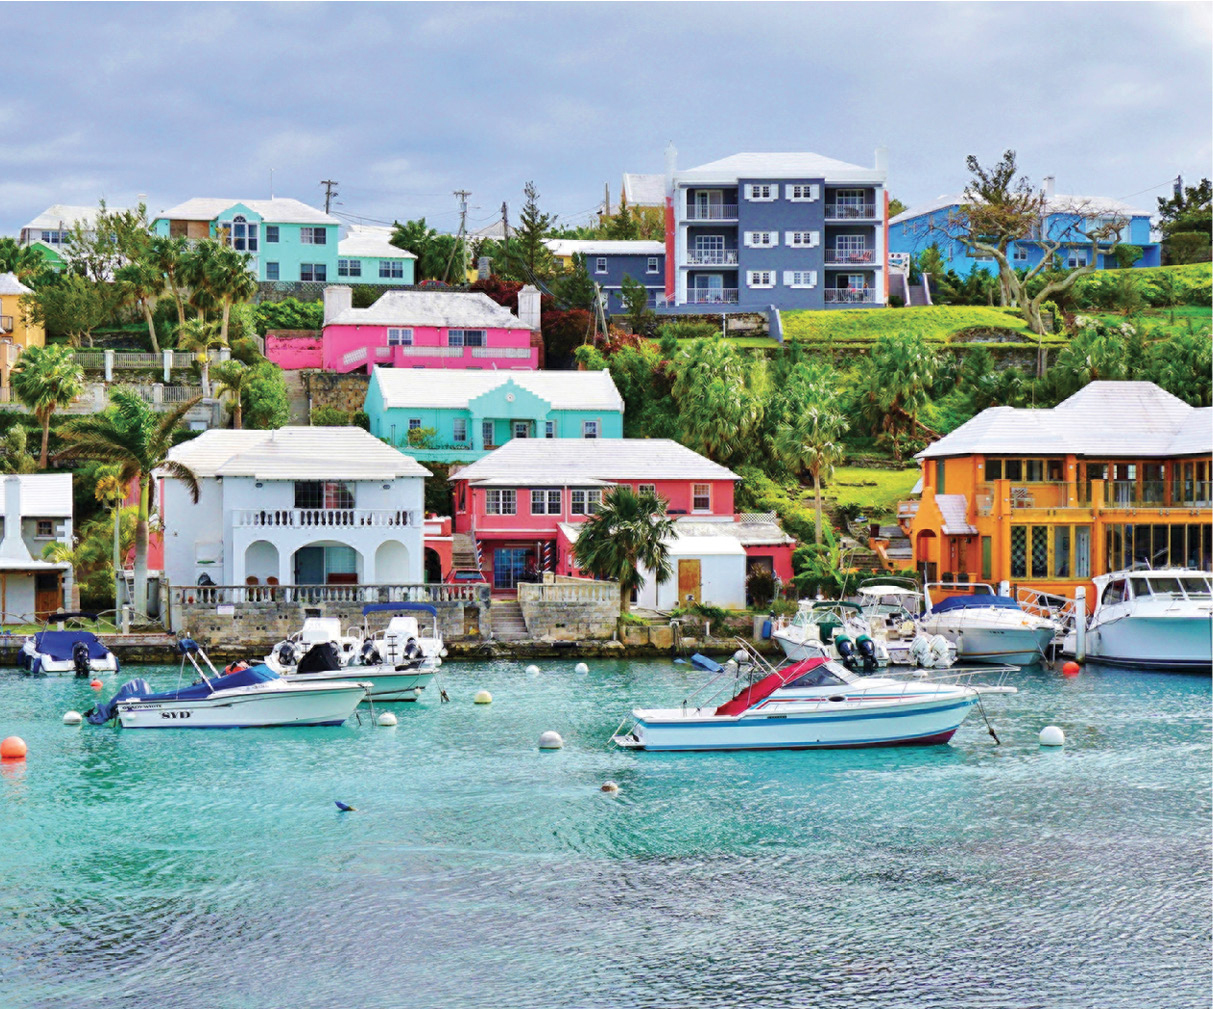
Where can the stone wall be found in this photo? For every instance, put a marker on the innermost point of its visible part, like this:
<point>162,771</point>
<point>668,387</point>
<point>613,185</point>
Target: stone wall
<point>569,609</point>
<point>345,392</point>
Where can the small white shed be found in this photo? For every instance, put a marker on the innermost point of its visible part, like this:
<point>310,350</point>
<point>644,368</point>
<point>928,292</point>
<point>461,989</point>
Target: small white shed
<point>711,569</point>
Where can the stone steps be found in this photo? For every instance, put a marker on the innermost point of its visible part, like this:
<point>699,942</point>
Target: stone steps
<point>296,396</point>
<point>506,618</point>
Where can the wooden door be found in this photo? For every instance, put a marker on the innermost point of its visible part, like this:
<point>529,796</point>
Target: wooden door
<point>688,582</point>
<point>48,595</point>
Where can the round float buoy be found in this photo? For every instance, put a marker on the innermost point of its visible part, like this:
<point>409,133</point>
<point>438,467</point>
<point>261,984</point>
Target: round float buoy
<point>1071,669</point>
<point>532,670</point>
<point>610,786</point>
<point>96,684</point>
<point>550,740</point>
<point>72,718</point>
<point>581,667</point>
<point>13,748</point>
<point>442,653</point>
<point>387,718</point>
<point>1051,735</point>
<point>482,697</point>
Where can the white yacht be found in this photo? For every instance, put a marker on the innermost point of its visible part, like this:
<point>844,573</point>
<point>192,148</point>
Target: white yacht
<point>892,607</point>
<point>986,627</point>
<point>1151,620</point>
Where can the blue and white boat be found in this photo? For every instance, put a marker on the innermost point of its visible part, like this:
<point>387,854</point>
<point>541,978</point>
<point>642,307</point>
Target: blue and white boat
<point>67,651</point>
<point>986,627</point>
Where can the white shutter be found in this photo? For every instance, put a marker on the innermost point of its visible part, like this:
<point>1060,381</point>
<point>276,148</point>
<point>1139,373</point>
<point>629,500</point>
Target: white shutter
<point>789,239</point>
<point>814,192</point>
<point>787,277</point>
<point>787,192</point>
<point>747,237</point>
<point>814,239</point>
<point>774,239</point>
<point>749,191</point>
<point>812,278</point>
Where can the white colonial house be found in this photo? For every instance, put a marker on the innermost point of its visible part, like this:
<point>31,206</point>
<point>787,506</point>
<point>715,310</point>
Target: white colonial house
<point>37,511</point>
<point>296,506</point>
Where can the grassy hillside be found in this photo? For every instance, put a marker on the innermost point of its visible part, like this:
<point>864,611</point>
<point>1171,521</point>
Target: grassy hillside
<point>1193,281</point>
<point>876,490</point>
<point>936,324</point>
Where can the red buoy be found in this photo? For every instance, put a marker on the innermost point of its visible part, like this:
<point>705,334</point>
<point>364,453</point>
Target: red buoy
<point>13,748</point>
<point>1071,669</point>
<point>96,684</point>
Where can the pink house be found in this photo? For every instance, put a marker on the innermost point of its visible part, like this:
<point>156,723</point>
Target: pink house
<point>420,329</point>
<point>522,504</point>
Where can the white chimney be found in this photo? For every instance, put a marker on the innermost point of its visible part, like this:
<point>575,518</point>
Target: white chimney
<point>528,307</point>
<point>882,161</point>
<point>337,299</point>
<point>671,166</point>
<point>1047,185</point>
<point>13,547</point>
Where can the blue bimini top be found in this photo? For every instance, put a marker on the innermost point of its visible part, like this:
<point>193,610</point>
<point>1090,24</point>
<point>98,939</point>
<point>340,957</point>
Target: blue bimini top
<point>196,691</point>
<point>57,645</point>
<point>983,601</point>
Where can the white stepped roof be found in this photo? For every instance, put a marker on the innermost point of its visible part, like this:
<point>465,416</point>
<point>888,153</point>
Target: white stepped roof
<point>806,165</point>
<point>441,309</point>
<point>1086,206</point>
<point>1109,419</point>
<point>574,459</point>
<point>365,240</point>
<point>43,495</point>
<point>644,190</point>
<point>65,215</point>
<point>9,284</point>
<point>278,211</point>
<point>296,453</point>
<point>450,388</point>
<point>605,247</point>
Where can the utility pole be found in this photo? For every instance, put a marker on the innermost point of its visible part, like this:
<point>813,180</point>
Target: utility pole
<point>330,192</point>
<point>505,221</point>
<point>460,238</point>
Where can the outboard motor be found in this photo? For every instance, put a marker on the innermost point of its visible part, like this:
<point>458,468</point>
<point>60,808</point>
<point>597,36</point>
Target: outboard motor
<point>920,652</point>
<point>867,649</point>
<point>370,654</point>
<point>106,710</point>
<point>80,658</point>
<point>939,650</point>
<point>286,654</point>
<point>846,651</point>
<point>412,650</point>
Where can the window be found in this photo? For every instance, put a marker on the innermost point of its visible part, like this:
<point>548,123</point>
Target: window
<point>44,529</point>
<point>459,427</point>
<point>761,239</point>
<point>652,265</point>
<point>1021,254</point>
<point>802,239</point>
<point>1050,551</point>
<point>55,237</point>
<point>349,268</point>
<point>399,337</point>
<point>242,236</point>
<point>600,265</point>
<point>1076,258</point>
<point>271,233</point>
<point>522,429</point>
<point>486,432</point>
<point>762,192</point>
<point>316,272</point>
<point>760,278</point>
<point>800,278</point>
<point>391,269</point>
<point>589,429</point>
<point>500,502</point>
<point>271,271</point>
<point>701,497</point>
<point>549,429</point>
<point>465,337</point>
<point>545,502</point>
<point>851,249</point>
<point>802,193</point>
<point>323,494</point>
<point>647,488</point>
<point>849,198</point>
<point>313,236</point>
<point>414,423</point>
<point>585,502</point>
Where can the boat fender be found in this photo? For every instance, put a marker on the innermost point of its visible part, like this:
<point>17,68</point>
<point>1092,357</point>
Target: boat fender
<point>80,658</point>
<point>836,698</point>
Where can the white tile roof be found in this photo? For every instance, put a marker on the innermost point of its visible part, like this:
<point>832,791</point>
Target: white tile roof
<point>296,453</point>
<point>364,240</point>
<point>778,166</point>
<point>606,247</point>
<point>64,215</point>
<point>1110,419</point>
<point>449,388</point>
<point>642,190</point>
<point>279,211</point>
<point>9,284</point>
<point>443,309</point>
<point>954,508</point>
<point>686,542</point>
<point>747,532</point>
<point>46,495</point>
<point>1057,204</point>
<point>523,459</point>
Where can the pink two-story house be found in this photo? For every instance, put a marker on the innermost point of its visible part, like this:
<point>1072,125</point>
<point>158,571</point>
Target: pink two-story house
<point>522,505</point>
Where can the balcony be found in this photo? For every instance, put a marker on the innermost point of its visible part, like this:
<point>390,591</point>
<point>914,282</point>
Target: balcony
<point>712,212</point>
<point>6,322</point>
<point>1131,494</point>
<point>850,211</point>
<point>717,296</point>
<point>850,257</point>
<point>308,518</point>
<point>848,296</point>
<point>1192,494</point>
<point>726,258</point>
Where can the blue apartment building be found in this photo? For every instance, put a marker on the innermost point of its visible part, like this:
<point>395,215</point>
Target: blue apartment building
<point>609,261</point>
<point>1066,220</point>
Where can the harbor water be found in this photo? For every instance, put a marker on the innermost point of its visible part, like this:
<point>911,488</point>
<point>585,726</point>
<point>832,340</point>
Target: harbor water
<point>212,869</point>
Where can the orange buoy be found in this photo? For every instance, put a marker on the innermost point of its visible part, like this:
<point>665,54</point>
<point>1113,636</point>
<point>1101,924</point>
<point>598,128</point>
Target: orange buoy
<point>1071,669</point>
<point>13,748</point>
<point>96,684</point>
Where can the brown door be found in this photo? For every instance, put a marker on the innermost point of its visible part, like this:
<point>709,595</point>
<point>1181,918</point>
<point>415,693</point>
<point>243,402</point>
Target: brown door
<point>688,582</point>
<point>48,595</point>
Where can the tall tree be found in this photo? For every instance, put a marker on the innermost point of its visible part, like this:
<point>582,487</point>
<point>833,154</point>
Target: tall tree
<point>812,443</point>
<point>894,388</point>
<point>423,242</point>
<point>235,379</point>
<point>115,236</point>
<point>168,255</point>
<point>1186,223</point>
<point>45,379</point>
<point>198,273</point>
<point>230,281</point>
<point>622,225</point>
<point>23,260</point>
<point>72,306</point>
<point>201,336</point>
<point>629,531</point>
<point>718,413</point>
<point>132,436</point>
<point>532,233</point>
<point>641,318</point>
<point>140,282</point>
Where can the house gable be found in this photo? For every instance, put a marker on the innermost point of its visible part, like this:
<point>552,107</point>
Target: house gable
<point>509,400</point>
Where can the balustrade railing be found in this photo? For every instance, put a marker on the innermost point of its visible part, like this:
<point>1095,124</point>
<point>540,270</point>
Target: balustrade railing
<point>430,351</point>
<point>355,356</point>
<point>718,296</point>
<point>712,212</point>
<point>568,592</point>
<point>502,352</point>
<point>245,595</point>
<point>849,296</point>
<point>1192,493</point>
<point>850,211</point>
<point>850,257</point>
<point>307,518</point>
<point>726,258</point>
<point>1131,494</point>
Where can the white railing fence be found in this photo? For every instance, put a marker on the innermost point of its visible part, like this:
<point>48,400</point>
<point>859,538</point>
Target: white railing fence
<point>307,518</point>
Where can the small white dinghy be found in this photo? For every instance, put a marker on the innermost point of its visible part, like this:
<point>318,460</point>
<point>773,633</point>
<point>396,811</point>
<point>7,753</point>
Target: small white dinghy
<point>67,651</point>
<point>244,698</point>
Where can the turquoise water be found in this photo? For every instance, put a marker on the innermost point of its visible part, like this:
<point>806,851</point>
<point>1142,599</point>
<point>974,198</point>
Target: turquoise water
<point>211,869</point>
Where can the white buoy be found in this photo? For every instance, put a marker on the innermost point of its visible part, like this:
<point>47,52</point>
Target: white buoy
<point>610,786</point>
<point>1051,735</point>
<point>72,718</point>
<point>532,670</point>
<point>442,653</point>
<point>437,662</point>
<point>581,667</point>
<point>387,718</point>
<point>550,740</point>
<point>482,697</point>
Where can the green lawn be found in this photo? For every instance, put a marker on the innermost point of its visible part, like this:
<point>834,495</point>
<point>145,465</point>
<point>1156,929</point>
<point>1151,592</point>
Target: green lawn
<point>1158,320</point>
<point>936,324</point>
<point>875,490</point>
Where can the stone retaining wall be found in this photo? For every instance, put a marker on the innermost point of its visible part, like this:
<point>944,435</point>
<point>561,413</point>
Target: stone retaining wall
<point>345,392</point>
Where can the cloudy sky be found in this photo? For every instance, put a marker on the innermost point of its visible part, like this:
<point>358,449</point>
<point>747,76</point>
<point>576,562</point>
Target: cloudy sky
<point>404,103</point>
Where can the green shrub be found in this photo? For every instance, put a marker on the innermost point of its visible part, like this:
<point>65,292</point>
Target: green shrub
<point>266,404</point>
<point>760,586</point>
<point>288,314</point>
<point>330,416</point>
<point>689,329</point>
<point>422,437</point>
<point>362,419</point>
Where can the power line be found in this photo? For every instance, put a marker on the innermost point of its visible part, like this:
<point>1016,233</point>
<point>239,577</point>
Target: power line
<point>1169,182</point>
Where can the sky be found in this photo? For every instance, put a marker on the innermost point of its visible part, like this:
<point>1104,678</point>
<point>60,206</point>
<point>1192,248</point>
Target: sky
<point>404,103</point>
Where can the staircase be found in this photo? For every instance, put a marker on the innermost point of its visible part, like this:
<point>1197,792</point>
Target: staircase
<point>296,396</point>
<point>506,618</point>
<point>463,552</point>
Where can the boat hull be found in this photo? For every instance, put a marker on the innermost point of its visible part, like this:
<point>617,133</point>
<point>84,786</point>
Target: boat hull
<point>1019,646</point>
<point>387,684</point>
<point>329,704</point>
<point>1154,642</point>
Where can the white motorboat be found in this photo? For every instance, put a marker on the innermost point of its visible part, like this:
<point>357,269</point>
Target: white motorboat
<point>837,627</point>
<point>986,627</point>
<point>816,703</point>
<point>1151,619</point>
<point>245,697</point>
<point>67,651</point>
<point>891,608</point>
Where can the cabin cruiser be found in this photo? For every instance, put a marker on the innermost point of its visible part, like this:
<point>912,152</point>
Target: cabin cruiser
<point>241,697</point>
<point>398,661</point>
<point>74,651</point>
<point>986,627</point>
<point>814,703</point>
<point>891,606</point>
<point>1150,619</point>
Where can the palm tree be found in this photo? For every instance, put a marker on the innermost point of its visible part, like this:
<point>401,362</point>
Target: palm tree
<point>718,410</point>
<point>168,255</point>
<point>23,260</point>
<point>234,379</point>
<point>140,282</point>
<point>812,442</point>
<point>200,336</point>
<point>229,280</point>
<point>132,436</point>
<point>45,379</point>
<point>198,273</point>
<point>630,530</point>
<point>895,386</point>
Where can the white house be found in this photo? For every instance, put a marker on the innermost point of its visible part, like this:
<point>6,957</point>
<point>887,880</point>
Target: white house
<point>37,511</point>
<point>295,506</point>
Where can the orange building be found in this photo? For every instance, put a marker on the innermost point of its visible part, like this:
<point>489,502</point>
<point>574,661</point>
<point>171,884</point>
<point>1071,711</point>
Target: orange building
<point>1116,475</point>
<point>13,325</point>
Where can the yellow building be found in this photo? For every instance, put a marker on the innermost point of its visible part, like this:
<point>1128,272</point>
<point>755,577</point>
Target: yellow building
<point>1116,475</point>
<point>13,327</point>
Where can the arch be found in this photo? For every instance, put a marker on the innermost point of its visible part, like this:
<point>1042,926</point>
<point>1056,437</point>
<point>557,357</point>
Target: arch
<point>392,563</point>
<point>326,562</point>
<point>433,565</point>
<point>261,561</point>
<point>926,546</point>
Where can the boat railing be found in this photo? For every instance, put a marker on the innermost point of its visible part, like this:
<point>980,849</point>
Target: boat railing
<point>1060,609</point>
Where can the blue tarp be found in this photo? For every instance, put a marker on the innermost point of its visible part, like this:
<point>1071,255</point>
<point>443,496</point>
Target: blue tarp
<point>390,607</point>
<point>984,601</point>
<point>241,678</point>
<point>57,645</point>
<point>106,710</point>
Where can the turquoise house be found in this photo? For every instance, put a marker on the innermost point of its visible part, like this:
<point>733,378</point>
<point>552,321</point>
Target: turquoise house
<point>286,240</point>
<point>366,256</point>
<point>451,416</point>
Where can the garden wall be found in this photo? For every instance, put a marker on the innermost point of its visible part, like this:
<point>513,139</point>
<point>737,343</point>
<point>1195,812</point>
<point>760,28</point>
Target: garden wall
<point>343,392</point>
<point>294,349</point>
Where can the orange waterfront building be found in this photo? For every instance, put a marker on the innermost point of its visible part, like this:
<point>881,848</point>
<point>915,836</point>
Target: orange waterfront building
<point>1116,475</point>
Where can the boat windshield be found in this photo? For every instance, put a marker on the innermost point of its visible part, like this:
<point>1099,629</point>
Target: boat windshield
<point>1195,586</point>
<point>1141,587</point>
<point>828,674</point>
